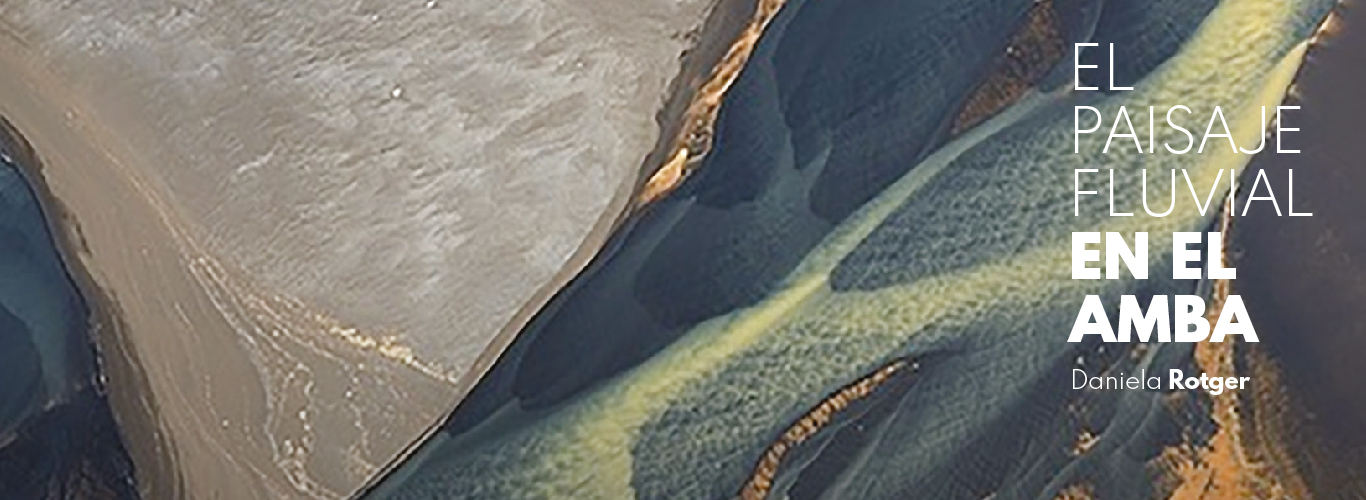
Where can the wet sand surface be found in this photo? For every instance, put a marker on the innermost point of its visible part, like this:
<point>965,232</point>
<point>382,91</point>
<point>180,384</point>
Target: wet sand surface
<point>238,386</point>
<point>1304,278</point>
<point>444,130</point>
<point>302,226</point>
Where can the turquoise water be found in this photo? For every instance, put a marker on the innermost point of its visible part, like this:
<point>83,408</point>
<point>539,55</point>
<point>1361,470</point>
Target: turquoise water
<point>57,434</point>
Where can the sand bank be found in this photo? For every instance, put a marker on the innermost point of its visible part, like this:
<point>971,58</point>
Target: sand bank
<point>221,391</point>
<point>301,226</point>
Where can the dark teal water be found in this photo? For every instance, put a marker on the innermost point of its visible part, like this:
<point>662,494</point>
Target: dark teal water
<point>840,99</point>
<point>58,438</point>
<point>1305,277</point>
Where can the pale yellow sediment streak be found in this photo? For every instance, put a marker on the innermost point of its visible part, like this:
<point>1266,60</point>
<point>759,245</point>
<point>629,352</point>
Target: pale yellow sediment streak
<point>602,430</point>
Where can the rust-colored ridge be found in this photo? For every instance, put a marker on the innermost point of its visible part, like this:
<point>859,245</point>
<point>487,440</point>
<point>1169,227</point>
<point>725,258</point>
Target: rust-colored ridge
<point>1079,491</point>
<point>695,138</point>
<point>761,481</point>
<point>1229,466</point>
<point>1034,50</point>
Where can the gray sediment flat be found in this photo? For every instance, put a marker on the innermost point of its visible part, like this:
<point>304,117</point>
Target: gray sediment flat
<point>302,225</point>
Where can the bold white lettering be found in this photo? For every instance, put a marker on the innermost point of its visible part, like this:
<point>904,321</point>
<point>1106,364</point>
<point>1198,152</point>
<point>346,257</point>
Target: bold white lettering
<point>1081,255</point>
<point>1091,308</point>
<point>1181,255</point>
<point>1233,309</point>
<point>1136,260</point>
<point>1131,318</point>
<point>1190,311</point>
<point>1214,258</point>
